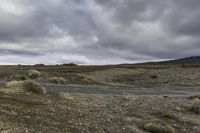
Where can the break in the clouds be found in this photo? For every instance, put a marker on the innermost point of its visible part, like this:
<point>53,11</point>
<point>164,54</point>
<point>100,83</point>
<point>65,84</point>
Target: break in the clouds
<point>97,31</point>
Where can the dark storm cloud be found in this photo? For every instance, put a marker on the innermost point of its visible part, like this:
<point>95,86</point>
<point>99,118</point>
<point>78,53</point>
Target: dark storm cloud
<point>184,17</point>
<point>98,31</point>
<point>16,52</point>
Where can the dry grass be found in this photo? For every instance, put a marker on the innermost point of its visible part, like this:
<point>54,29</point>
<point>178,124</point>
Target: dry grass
<point>17,77</point>
<point>33,74</point>
<point>159,128</point>
<point>25,86</point>
<point>57,80</point>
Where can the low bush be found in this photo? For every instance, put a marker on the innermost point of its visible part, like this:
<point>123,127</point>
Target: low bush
<point>26,86</point>
<point>17,77</point>
<point>57,80</point>
<point>33,74</point>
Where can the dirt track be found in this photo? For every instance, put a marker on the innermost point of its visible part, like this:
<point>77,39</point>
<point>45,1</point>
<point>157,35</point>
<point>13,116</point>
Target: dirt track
<point>82,89</point>
<point>122,91</point>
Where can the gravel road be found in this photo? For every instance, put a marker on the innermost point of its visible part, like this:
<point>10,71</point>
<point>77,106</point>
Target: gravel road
<point>123,91</point>
<point>120,90</point>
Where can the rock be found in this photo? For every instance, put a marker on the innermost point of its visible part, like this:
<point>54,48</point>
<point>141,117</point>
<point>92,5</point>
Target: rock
<point>178,109</point>
<point>196,109</point>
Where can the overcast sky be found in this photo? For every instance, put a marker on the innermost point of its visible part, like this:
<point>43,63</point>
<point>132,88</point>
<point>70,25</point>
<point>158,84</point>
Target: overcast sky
<point>98,31</point>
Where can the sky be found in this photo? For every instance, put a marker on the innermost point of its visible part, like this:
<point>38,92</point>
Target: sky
<point>98,31</point>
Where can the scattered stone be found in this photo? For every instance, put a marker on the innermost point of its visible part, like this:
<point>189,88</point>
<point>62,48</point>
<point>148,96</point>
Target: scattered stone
<point>8,112</point>
<point>178,109</point>
<point>27,117</point>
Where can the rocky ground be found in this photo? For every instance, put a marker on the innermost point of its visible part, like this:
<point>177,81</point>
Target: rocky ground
<point>103,113</point>
<point>119,75</point>
<point>64,112</point>
<point>148,77</point>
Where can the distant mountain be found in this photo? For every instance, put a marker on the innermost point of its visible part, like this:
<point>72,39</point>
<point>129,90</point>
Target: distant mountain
<point>189,60</point>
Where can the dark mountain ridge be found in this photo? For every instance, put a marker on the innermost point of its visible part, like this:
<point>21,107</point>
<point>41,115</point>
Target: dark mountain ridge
<point>194,60</point>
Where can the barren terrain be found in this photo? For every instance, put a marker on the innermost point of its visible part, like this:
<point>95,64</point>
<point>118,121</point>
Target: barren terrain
<point>124,102</point>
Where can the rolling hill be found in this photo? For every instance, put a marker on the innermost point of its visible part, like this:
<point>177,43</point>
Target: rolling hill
<point>189,60</point>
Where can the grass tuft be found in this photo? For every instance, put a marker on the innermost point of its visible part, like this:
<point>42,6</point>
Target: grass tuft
<point>57,80</point>
<point>17,77</point>
<point>33,74</point>
<point>26,86</point>
<point>159,128</point>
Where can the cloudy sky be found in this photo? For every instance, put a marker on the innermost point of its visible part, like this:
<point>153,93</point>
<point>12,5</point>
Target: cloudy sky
<point>98,31</point>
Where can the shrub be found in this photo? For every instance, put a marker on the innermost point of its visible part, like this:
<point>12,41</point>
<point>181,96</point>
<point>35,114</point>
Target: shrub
<point>195,97</point>
<point>26,86</point>
<point>159,128</point>
<point>57,80</point>
<point>33,74</point>
<point>17,77</point>
<point>195,104</point>
<point>87,81</point>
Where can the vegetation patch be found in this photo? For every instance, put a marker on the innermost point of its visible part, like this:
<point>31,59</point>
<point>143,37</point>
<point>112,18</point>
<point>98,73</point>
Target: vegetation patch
<point>27,86</point>
<point>57,80</point>
<point>17,77</point>
<point>159,128</point>
<point>33,74</point>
